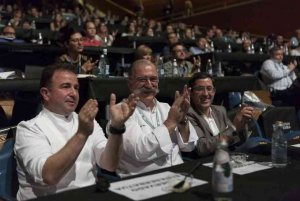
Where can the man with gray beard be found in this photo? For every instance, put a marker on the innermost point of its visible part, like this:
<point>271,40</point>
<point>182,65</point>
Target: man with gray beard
<point>155,133</point>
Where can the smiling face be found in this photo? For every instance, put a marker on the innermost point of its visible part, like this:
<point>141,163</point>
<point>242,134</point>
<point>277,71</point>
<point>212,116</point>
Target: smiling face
<point>144,82</point>
<point>202,94</point>
<point>61,96</point>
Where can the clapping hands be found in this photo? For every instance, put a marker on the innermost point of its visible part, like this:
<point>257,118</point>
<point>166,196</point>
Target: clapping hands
<point>119,113</point>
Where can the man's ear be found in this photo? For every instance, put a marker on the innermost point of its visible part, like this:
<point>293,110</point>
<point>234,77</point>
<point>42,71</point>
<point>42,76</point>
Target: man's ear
<point>44,93</point>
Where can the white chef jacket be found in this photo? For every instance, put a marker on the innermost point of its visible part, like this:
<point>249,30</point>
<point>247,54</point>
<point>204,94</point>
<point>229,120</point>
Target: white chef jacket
<point>147,144</point>
<point>41,137</point>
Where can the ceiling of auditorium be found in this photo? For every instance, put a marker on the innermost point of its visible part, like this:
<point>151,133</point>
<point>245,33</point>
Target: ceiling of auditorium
<point>155,8</point>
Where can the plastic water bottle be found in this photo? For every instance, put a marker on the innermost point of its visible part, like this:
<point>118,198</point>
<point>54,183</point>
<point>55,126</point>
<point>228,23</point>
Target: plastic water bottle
<point>260,50</point>
<point>40,39</point>
<point>79,65</point>
<point>212,47</point>
<point>100,70</point>
<point>206,48</point>
<point>106,66</point>
<point>219,70</point>
<point>209,69</point>
<point>286,50</point>
<point>160,68</point>
<point>279,146</point>
<point>229,48</point>
<point>222,178</point>
<point>252,49</point>
<point>175,72</point>
<point>33,25</point>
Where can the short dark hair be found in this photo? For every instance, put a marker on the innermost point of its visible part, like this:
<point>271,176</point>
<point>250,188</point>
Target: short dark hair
<point>176,44</point>
<point>275,49</point>
<point>66,33</point>
<point>48,72</point>
<point>198,76</point>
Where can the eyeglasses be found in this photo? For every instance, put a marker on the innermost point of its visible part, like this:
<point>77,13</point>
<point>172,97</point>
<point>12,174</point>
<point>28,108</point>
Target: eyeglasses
<point>143,80</point>
<point>209,89</point>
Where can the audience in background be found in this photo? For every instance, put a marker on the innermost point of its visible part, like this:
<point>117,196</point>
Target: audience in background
<point>104,36</point>
<point>9,35</point>
<point>201,47</point>
<point>17,18</point>
<point>90,32</point>
<point>295,40</point>
<point>171,39</point>
<point>130,30</point>
<point>185,67</point>
<point>279,78</point>
<point>143,52</point>
<point>57,23</point>
<point>74,44</point>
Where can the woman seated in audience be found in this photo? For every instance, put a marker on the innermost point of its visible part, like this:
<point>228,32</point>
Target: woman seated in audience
<point>188,34</point>
<point>17,18</point>
<point>73,42</point>
<point>143,52</point>
<point>131,30</point>
<point>148,32</point>
<point>57,23</point>
<point>104,36</point>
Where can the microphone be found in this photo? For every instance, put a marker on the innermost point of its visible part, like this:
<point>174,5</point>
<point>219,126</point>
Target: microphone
<point>180,184</point>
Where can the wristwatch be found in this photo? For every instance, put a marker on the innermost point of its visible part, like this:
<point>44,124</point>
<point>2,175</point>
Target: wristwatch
<point>117,131</point>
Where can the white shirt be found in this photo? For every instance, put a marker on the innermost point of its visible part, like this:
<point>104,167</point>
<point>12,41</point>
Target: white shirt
<point>147,148</point>
<point>41,137</point>
<point>278,72</point>
<point>211,123</point>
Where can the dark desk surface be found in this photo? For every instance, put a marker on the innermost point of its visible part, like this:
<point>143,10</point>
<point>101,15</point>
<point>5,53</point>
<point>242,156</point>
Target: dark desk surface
<point>271,184</point>
<point>18,55</point>
<point>35,48</point>
<point>168,86</point>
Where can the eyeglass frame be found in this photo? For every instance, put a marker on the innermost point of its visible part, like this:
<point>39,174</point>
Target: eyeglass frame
<point>144,79</point>
<point>201,89</point>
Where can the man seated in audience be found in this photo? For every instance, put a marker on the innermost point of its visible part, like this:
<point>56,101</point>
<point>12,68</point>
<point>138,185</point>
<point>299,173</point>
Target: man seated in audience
<point>201,47</point>
<point>279,78</point>
<point>295,40</point>
<point>155,133</point>
<point>90,32</point>
<point>185,67</point>
<point>58,149</point>
<point>211,120</point>
<point>74,43</point>
<point>9,35</point>
<point>246,46</point>
<point>171,39</point>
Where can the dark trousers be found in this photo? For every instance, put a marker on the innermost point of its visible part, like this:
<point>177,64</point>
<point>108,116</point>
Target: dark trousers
<point>287,97</point>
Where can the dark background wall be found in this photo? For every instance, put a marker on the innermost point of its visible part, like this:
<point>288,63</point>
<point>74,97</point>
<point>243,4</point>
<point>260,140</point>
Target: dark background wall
<point>263,17</point>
